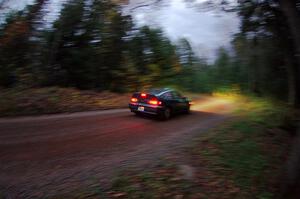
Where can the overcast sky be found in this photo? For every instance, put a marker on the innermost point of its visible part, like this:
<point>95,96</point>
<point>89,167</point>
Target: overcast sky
<point>206,30</point>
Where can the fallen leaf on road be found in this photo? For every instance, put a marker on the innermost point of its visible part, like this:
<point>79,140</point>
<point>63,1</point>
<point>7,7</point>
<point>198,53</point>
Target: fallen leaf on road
<point>119,195</point>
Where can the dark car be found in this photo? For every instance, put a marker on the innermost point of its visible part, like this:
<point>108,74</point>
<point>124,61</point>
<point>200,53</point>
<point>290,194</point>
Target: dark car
<point>161,102</point>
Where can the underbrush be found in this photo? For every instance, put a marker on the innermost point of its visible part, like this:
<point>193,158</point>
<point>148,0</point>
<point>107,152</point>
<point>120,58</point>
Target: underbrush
<point>15,102</point>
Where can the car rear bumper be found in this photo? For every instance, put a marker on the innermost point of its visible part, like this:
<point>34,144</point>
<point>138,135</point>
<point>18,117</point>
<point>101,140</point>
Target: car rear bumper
<point>148,109</point>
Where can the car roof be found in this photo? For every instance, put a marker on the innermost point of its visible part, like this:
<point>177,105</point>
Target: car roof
<point>159,91</point>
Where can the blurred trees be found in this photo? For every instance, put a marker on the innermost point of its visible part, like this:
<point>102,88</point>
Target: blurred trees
<point>16,41</point>
<point>153,55</point>
<point>92,45</point>
<point>291,11</point>
<point>264,58</point>
<point>268,29</point>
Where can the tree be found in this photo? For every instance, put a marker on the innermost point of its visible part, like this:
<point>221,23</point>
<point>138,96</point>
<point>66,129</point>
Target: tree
<point>291,12</point>
<point>15,46</point>
<point>92,45</point>
<point>263,23</point>
<point>154,56</point>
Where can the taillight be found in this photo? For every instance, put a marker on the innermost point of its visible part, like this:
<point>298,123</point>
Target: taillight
<point>155,102</point>
<point>134,99</point>
<point>143,95</point>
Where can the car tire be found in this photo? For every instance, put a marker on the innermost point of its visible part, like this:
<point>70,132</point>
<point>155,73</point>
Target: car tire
<point>166,114</point>
<point>187,110</point>
<point>137,113</point>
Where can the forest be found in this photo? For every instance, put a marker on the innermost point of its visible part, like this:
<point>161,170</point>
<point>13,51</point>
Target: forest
<point>94,46</point>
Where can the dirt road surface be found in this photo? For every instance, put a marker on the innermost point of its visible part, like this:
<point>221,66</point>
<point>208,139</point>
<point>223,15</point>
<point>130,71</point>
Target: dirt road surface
<point>46,155</point>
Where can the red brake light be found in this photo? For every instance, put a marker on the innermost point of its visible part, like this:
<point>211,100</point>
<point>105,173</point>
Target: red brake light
<point>143,95</point>
<point>134,99</point>
<point>154,102</point>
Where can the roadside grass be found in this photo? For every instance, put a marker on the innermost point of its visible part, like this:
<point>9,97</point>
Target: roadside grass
<point>242,158</point>
<point>15,102</point>
<point>251,149</point>
<point>165,181</point>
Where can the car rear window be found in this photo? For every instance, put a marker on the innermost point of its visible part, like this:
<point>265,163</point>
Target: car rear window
<point>167,95</point>
<point>143,99</point>
<point>176,95</point>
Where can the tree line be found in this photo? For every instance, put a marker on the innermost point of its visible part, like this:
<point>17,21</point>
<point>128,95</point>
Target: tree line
<point>92,45</point>
<point>264,55</point>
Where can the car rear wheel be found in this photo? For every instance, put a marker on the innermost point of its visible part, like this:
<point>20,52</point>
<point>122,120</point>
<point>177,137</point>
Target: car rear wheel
<point>137,113</point>
<point>187,110</point>
<point>166,114</point>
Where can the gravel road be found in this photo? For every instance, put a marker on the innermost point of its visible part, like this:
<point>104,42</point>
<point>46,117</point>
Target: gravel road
<point>46,155</point>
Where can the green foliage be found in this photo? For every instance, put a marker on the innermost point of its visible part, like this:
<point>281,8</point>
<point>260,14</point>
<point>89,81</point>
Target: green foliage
<point>153,55</point>
<point>90,46</point>
<point>242,147</point>
<point>245,159</point>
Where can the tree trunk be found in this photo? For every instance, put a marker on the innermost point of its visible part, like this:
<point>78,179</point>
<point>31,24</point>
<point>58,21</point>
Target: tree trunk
<point>293,18</point>
<point>290,183</point>
<point>290,67</point>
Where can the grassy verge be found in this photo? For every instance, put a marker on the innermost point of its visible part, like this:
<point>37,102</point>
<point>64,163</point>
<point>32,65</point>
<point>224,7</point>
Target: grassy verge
<point>14,102</point>
<point>240,159</point>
